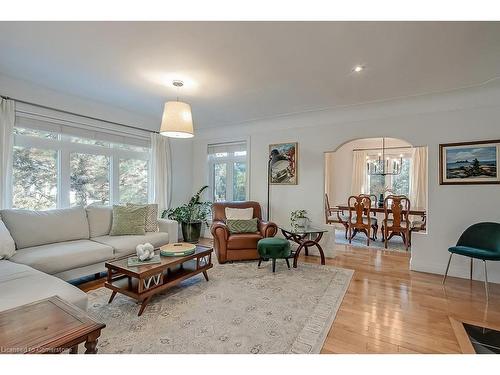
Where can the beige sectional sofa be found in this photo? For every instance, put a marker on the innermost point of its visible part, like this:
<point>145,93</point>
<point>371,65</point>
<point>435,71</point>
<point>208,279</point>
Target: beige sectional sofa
<point>64,244</point>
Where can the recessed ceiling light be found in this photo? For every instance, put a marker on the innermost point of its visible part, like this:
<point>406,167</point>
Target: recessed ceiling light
<point>358,68</point>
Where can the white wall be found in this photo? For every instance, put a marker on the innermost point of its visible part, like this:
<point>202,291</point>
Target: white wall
<point>181,149</point>
<point>471,114</point>
<point>341,171</point>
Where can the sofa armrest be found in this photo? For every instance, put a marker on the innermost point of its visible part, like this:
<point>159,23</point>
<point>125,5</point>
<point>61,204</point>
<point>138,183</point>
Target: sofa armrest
<point>171,227</point>
<point>267,228</point>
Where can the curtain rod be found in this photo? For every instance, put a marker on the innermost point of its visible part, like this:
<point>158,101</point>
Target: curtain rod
<point>77,114</point>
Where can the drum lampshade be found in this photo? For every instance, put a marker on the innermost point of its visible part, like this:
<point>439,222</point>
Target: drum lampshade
<point>177,120</point>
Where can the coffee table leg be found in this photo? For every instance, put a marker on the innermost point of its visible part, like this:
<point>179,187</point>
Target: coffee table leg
<point>91,343</point>
<point>112,297</point>
<point>321,254</point>
<point>206,275</point>
<point>143,306</point>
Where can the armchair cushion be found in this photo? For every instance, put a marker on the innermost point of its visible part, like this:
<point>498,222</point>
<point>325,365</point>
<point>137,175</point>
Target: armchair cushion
<point>243,241</point>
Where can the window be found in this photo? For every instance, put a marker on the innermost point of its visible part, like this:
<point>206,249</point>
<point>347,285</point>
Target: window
<point>133,187</point>
<point>34,178</point>
<point>89,175</point>
<point>397,184</point>
<point>52,168</point>
<point>227,164</point>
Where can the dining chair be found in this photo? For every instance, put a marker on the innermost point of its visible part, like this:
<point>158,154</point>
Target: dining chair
<point>374,221</point>
<point>396,219</point>
<point>360,219</point>
<point>335,215</point>
<point>479,241</point>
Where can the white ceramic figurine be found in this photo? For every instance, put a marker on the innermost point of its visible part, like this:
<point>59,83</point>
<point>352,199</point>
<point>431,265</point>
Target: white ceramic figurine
<point>145,251</point>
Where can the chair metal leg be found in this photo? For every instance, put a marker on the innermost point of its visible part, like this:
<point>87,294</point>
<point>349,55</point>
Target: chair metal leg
<point>486,282</point>
<point>260,261</point>
<point>471,267</point>
<point>274,264</point>
<point>447,268</point>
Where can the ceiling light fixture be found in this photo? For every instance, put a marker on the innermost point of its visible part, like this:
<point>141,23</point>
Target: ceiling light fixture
<point>177,120</point>
<point>358,68</point>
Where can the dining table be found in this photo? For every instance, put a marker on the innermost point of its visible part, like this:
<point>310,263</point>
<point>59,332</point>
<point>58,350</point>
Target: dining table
<point>380,210</point>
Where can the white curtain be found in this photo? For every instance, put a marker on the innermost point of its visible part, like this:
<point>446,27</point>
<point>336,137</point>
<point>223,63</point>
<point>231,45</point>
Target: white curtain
<point>359,182</point>
<point>329,172</point>
<point>418,178</point>
<point>7,118</point>
<point>161,171</point>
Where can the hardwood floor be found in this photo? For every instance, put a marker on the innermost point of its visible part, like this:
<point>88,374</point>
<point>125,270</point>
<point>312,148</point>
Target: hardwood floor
<point>389,309</point>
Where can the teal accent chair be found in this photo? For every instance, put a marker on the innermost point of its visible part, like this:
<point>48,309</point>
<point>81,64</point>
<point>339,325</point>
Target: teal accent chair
<point>479,241</point>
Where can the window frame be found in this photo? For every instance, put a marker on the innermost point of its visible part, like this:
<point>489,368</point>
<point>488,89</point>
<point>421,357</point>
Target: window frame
<point>64,146</point>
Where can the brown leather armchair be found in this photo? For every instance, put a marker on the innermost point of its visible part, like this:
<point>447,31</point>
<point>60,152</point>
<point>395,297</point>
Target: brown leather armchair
<point>238,246</point>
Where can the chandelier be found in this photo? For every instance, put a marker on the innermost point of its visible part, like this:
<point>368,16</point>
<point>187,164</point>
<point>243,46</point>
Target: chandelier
<point>384,166</point>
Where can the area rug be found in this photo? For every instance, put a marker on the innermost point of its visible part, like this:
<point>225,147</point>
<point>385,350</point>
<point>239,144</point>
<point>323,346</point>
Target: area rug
<point>241,309</point>
<point>359,241</point>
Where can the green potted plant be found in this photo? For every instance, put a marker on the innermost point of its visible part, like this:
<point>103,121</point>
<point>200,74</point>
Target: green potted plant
<point>191,216</point>
<point>298,218</point>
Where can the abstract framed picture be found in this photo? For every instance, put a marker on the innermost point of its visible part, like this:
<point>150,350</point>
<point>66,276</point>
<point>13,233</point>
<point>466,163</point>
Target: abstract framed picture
<point>283,159</point>
<point>469,163</point>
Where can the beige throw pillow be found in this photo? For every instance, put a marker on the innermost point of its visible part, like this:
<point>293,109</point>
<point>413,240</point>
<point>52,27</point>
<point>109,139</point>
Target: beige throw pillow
<point>128,220</point>
<point>151,216</point>
<point>239,213</point>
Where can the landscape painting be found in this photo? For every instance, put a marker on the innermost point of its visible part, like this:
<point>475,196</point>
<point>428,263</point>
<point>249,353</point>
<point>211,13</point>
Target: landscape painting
<point>283,163</point>
<point>469,163</point>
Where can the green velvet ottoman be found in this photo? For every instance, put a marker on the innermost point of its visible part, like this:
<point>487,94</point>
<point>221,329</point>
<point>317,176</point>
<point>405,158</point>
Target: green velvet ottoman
<point>274,248</point>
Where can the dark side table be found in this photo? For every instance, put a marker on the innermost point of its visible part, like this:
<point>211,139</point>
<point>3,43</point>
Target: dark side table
<point>305,237</point>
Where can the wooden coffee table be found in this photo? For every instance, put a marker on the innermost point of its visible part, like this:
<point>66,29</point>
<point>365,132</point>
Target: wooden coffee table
<point>50,325</point>
<point>143,282</point>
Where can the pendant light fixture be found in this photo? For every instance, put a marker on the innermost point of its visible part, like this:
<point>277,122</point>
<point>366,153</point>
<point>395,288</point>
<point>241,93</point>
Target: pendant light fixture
<point>177,120</point>
<point>383,166</point>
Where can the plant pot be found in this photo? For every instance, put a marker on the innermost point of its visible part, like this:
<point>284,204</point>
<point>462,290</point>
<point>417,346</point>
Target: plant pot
<point>191,231</point>
<point>300,222</point>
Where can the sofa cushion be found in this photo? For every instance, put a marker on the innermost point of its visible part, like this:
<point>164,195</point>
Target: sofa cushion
<point>33,228</point>
<point>125,245</point>
<point>100,219</point>
<point>7,245</point>
<point>243,241</point>
<point>63,256</point>
<point>20,284</point>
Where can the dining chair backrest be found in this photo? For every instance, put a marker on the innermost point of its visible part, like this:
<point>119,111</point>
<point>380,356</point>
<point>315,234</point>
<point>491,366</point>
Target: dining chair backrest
<point>360,206</point>
<point>397,208</point>
<point>327,208</point>
<point>484,236</point>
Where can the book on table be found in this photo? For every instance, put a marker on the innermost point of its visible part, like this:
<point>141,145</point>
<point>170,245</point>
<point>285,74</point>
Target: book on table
<point>135,262</point>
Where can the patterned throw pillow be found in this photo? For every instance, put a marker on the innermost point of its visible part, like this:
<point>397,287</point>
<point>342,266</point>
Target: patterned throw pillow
<point>151,216</point>
<point>128,220</point>
<point>242,226</point>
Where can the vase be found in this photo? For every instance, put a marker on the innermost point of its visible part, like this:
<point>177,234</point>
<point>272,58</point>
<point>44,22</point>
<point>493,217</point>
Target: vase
<point>191,231</point>
<point>301,222</point>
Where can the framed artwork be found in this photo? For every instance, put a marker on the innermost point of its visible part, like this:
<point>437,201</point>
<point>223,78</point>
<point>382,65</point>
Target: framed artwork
<point>469,163</point>
<point>283,159</point>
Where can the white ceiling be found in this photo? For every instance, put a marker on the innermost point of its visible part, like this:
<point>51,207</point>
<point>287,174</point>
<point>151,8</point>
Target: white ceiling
<point>240,71</point>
